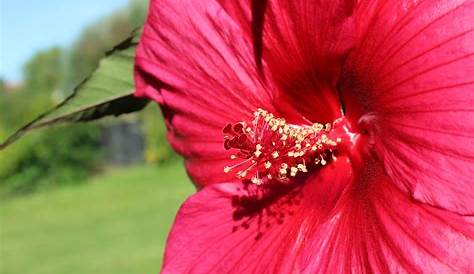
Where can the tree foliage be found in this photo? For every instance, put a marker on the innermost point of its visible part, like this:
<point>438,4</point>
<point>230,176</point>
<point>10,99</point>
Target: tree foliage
<point>58,156</point>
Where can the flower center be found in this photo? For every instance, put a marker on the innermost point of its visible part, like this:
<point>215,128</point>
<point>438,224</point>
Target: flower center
<point>268,149</point>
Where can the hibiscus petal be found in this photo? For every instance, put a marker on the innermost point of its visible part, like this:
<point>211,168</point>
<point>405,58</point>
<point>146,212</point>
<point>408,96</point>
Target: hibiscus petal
<point>331,226</point>
<point>303,44</point>
<point>431,240</point>
<point>413,76</point>
<point>194,61</point>
<point>215,232</point>
<point>381,230</point>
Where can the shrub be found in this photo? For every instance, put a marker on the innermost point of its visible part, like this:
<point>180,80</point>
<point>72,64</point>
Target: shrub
<point>53,157</point>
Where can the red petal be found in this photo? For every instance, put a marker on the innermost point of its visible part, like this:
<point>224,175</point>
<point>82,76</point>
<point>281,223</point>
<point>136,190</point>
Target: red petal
<point>303,44</point>
<point>413,77</point>
<point>215,233</point>
<point>418,237</point>
<point>366,227</point>
<point>193,60</point>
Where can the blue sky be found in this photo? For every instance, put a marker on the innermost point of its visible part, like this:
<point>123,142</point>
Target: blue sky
<point>31,25</point>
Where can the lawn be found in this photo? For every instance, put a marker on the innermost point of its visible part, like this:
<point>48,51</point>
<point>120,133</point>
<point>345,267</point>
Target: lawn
<point>115,223</point>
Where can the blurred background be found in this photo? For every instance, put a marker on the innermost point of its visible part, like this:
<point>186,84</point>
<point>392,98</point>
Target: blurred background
<point>87,198</point>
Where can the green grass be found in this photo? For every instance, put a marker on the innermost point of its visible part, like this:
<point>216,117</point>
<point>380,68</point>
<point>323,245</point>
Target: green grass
<point>116,223</point>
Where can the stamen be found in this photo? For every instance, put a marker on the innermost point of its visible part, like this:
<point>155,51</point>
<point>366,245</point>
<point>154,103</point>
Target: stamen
<point>272,149</point>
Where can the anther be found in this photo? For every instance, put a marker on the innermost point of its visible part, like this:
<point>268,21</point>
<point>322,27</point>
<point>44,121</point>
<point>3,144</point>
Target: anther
<point>293,171</point>
<point>323,162</point>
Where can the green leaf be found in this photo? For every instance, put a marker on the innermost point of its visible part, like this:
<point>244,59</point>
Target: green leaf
<point>107,91</point>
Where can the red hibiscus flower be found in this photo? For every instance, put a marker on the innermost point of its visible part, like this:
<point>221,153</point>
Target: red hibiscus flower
<point>329,136</point>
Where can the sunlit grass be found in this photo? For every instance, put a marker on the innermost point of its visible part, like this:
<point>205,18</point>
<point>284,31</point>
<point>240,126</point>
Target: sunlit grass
<point>116,223</point>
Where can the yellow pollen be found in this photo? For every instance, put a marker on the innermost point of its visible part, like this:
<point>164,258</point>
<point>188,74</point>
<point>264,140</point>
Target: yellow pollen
<point>227,169</point>
<point>268,164</point>
<point>256,181</point>
<point>242,174</point>
<point>275,154</point>
<point>302,168</point>
<point>323,162</point>
<point>257,153</point>
<point>318,127</point>
<point>233,157</point>
<point>293,170</point>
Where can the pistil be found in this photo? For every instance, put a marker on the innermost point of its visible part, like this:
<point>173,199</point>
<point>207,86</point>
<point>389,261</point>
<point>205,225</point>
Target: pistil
<point>268,149</point>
